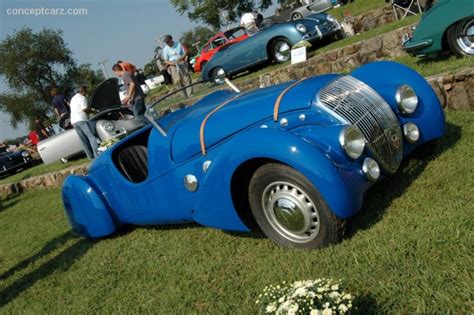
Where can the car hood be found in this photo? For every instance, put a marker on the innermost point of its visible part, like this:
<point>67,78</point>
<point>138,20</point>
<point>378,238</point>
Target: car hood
<point>106,95</point>
<point>247,110</point>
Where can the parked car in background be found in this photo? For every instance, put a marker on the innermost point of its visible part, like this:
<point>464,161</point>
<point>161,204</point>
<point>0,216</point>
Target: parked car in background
<point>272,43</point>
<point>311,7</point>
<point>296,158</point>
<point>447,26</point>
<point>218,41</point>
<point>13,162</point>
<point>154,81</point>
<point>112,121</point>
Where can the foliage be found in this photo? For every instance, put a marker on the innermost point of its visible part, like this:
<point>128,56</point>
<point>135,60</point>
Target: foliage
<point>150,68</point>
<point>195,38</point>
<point>303,43</point>
<point>218,12</point>
<point>32,63</point>
<point>308,297</point>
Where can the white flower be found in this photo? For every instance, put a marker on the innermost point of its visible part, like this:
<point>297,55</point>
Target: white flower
<point>343,308</point>
<point>299,292</point>
<point>335,287</point>
<point>327,311</point>
<point>270,308</point>
<point>315,312</point>
<point>293,309</point>
<point>333,295</point>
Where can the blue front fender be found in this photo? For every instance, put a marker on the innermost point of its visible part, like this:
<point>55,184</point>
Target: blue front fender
<point>215,207</point>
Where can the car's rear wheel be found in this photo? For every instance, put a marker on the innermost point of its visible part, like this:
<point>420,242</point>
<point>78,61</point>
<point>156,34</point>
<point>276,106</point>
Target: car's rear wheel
<point>461,37</point>
<point>297,16</point>
<point>290,210</point>
<point>280,50</point>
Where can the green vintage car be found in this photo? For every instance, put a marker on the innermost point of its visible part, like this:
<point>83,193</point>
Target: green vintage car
<point>448,25</point>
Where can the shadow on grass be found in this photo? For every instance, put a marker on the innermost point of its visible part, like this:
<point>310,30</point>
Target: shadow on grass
<point>365,304</point>
<point>8,202</point>
<point>61,262</point>
<point>381,195</point>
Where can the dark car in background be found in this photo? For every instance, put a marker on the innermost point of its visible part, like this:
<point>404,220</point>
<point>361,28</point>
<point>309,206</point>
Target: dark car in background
<point>13,162</point>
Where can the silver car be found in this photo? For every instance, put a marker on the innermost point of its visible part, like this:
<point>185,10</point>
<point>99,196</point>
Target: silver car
<point>310,7</point>
<point>112,121</point>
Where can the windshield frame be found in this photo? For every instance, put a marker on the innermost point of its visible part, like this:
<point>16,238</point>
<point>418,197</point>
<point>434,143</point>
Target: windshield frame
<point>154,122</point>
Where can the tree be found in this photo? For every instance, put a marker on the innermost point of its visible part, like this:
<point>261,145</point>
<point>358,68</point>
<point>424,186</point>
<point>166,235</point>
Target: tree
<point>212,12</point>
<point>150,69</point>
<point>200,35</point>
<point>33,63</point>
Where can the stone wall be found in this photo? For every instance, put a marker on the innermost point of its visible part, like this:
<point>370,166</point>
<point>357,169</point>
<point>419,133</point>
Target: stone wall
<point>49,180</point>
<point>373,19</point>
<point>455,91</point>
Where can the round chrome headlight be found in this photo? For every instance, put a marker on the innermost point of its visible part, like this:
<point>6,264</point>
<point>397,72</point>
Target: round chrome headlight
<point>371,169</point>
<point>330,18</point>
<point>108,126</point>
<point>25,154</point>
<point>411,132</point>
<point>406,98</point>
<point>353,141</point>
<point>301,28</point>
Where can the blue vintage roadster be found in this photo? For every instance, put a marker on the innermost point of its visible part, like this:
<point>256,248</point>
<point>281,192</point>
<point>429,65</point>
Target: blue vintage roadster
<point>295,158</point>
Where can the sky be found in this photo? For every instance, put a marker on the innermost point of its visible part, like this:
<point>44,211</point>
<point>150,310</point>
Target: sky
<point>109,30</point>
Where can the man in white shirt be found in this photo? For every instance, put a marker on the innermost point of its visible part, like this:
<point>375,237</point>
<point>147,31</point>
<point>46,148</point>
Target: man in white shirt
<point>174,55</point>
<point>248,22</point>
<point>79,120</point>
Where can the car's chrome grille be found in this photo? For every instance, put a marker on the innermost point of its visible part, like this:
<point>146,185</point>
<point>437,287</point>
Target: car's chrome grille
<point>356,103</point>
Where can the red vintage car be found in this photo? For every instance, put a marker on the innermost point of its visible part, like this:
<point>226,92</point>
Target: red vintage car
<point>218,41</point>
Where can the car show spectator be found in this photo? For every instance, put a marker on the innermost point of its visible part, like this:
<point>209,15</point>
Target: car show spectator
<point>135,98</point>
<point>162,67</point>
<point>249,22</point>
<point>61,108</point>
<point>80,122</point>
<point>127,66</point>
<point>40,130</point>
<point>174,56</point>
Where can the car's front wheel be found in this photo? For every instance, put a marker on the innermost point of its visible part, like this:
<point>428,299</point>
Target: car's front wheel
<point>461,37</point>
<point>290,210</point>
<point>296,16</point>
<point>280,50</point>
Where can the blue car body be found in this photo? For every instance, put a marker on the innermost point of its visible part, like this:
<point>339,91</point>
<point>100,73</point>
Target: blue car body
<point>149,188</point>
<point>258,47</point>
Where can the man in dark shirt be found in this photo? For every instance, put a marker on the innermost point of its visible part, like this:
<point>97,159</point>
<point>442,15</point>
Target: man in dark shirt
<point>61,108</point>
<point>135,97</point>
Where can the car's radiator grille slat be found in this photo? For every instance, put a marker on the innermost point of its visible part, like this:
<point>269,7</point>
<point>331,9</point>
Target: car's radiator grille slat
<point>358,104</point>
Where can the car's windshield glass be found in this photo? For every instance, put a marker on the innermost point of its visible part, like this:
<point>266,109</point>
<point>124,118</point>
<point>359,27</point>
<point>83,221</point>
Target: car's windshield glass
<point>177,99</point>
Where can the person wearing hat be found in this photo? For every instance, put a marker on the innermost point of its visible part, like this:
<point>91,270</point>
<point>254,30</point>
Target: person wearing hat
<point>174,56</point>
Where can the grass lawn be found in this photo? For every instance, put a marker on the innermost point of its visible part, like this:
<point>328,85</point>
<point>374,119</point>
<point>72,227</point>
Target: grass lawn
<point>41,169</point>
<point>408,250</point>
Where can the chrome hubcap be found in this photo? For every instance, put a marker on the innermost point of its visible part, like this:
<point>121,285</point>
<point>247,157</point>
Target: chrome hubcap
<point>466,38</point>
<point>282,51</point>
<point>290,212</point>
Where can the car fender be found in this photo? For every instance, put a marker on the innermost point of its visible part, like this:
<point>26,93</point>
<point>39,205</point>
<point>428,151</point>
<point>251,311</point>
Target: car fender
<point>429,115</point>
<point>436,21</point>
<point>215,207</point>
<point>88,214</point>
